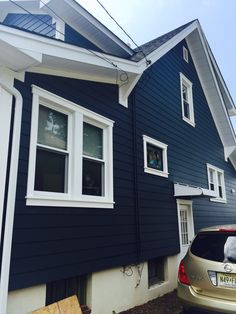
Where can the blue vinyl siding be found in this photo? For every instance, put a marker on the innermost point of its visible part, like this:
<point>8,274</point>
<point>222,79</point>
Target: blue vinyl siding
<point>159,115</point>
<point>37,23</point>
<point>56,243</point>
<point>75,38</point>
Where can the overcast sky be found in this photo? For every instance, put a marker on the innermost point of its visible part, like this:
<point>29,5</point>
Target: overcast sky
<point>147,19</point>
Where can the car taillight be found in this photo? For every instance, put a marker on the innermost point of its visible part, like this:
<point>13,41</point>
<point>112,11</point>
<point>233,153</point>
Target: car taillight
<point>227,230</point>
<point>183,278</point>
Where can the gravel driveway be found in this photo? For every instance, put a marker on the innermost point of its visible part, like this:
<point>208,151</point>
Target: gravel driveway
<point>168,304</point>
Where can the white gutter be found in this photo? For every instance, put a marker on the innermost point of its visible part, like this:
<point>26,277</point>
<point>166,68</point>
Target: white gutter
<point>11,196</point>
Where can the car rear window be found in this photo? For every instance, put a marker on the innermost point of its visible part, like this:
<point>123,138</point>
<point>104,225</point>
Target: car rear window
<point>215,246</point>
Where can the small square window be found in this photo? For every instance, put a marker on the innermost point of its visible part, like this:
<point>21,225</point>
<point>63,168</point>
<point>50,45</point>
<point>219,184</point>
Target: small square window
<point>155,157</point>
<point>216,183</point>
<point>156,271</point>
<point>187,100</point>
<point>185,54</point>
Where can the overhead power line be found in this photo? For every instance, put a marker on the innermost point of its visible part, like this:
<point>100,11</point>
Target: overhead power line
<point>100,55</point>
<point>148,62</point>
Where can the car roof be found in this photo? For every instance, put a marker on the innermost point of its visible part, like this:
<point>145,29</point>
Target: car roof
<point>219,228</point>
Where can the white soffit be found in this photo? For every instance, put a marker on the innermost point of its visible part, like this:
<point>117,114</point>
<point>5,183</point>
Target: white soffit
<point>87,25</point>
<point>15,59</point>
<point>191,191</point>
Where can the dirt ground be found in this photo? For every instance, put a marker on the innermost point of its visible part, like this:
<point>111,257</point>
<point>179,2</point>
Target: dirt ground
<point>168,304</point>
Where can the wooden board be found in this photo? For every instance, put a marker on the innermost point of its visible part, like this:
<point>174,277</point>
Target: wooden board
<point>50,309</point>
<point>67,306</point>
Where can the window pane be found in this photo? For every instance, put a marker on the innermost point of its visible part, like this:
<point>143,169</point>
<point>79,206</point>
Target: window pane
<point>211,176</point>
<point>52,128</point>
<point>219,247</point>
<point>186,110</point>
<point>156,271</point>
<point>50,171</point>
<point>185,92</point>
<point>212,187</point>
<point>219,178</point>
<point>154,157</point>
<point>92,141</point>
<point>220,192</point>
<point>92,177</point>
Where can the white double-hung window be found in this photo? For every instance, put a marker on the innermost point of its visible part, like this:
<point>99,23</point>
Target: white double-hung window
<point>71,154</point>
<point>216,183</point>
<point>187,100</point>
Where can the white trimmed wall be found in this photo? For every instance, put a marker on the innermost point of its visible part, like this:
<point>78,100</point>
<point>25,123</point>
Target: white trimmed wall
<point>115,290</point>
<point>24,301</point>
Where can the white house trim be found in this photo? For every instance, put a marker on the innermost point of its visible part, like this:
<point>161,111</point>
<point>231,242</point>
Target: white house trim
<point>163,147</point>
<point>10,205</point>
<point>73,14</point>
<point>76,116</point>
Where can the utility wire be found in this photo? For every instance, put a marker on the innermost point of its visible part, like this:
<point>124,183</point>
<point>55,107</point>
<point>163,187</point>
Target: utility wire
<point>148,62</point>
<point>124,73</point>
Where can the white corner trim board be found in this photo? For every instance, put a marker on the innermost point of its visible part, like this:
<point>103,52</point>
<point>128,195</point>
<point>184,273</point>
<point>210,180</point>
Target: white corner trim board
<point>10,205</point>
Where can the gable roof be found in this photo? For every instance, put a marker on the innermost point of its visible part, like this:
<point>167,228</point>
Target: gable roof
<point>72,13</point>
<point>154,44</point>
<point>51,56</point>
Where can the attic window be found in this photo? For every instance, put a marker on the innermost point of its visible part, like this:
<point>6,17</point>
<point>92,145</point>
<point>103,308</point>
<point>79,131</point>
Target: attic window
<point>185,54</point>
<point>187,100</point>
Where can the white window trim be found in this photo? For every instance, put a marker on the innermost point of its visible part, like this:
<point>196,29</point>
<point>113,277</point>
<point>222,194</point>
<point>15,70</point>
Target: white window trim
<point>189,85</point>
<point>149,140</point>
<point>76,116</point>
<point>189,203</point>
<point>215,169</point>
<point>185,54</point>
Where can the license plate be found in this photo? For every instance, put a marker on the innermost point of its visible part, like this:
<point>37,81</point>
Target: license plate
<point>227,280</point>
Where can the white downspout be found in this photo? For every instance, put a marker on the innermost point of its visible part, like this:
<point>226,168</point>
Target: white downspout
<point>11,197</point>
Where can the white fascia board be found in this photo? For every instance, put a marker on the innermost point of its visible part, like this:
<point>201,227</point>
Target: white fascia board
<point>226,91</point>
<point>232,112</point>
<point>163,49</point>
<point>205,45</point>
<point>47,46</point>
<point>90,18</point>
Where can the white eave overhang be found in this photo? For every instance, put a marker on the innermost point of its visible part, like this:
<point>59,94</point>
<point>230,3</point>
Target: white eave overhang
<point>46,55</point>
<point>184,190</point>
<point>82,21</point>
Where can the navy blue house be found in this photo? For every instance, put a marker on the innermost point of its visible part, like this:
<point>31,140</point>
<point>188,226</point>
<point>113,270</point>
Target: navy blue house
<point>111,157</point>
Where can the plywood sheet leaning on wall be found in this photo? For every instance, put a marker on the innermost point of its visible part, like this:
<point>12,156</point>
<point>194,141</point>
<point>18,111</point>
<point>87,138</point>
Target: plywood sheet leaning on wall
<point>66,306</point>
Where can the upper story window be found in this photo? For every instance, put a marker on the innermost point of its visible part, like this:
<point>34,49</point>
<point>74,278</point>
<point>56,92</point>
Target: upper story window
<point>216,183</point>
<point>187,100</point>
<point>155,157</point>
<point>185,54</point>
<point>70,160</point>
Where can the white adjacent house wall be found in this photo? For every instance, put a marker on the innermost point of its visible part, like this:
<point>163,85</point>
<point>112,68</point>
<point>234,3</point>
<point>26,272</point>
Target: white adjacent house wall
<point>116,289</point>
<point>120,289</point>
<point>25,301</point>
